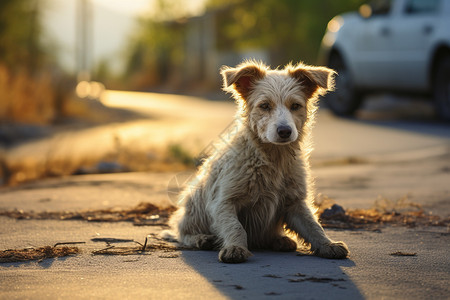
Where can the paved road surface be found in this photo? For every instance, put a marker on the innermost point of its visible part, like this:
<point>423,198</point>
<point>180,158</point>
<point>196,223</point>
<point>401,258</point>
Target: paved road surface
<point>334,137</point>
<point>194,123</point>
<point>371,272</point>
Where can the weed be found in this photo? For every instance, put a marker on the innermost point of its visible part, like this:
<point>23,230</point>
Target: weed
<point>179,154</point>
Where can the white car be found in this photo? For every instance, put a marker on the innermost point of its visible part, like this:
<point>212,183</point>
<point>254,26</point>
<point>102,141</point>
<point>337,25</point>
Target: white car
<point>390,46</point>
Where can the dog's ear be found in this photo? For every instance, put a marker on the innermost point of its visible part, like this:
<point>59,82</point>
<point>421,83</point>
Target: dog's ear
<point>315,80</point>
<point>242,78</point>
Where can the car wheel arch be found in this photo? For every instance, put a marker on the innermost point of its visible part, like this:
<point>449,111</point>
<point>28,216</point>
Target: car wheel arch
<point>338,51</point>
<point>439,53</point>
<point>346,100</point>
<point>440,83</point>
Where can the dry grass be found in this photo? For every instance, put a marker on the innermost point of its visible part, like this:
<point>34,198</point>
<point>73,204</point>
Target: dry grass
<point>142,214</point>
<point>37,99</point>
<point>173,158</point>
<point>42,98</point>
<point>384,212</point>
<point>41,253</point>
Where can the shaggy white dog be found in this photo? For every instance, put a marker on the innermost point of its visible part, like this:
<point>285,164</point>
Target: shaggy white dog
<point>257,187</point>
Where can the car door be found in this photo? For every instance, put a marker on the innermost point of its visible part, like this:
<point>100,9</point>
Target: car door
<point>412,34</point>
<point>373,49</point>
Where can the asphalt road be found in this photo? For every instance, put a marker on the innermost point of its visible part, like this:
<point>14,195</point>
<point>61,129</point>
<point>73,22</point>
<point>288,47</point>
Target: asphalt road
<point>371,272</point>
<point>195,124</point>
<point>385,125</point>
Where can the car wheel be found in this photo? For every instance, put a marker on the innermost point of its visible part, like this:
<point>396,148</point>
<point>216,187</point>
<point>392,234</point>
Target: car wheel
<point>345,100</point>
<point>442,89</point>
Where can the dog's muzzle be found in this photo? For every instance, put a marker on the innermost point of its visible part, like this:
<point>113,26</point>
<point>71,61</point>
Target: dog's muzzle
<point>284,131</point>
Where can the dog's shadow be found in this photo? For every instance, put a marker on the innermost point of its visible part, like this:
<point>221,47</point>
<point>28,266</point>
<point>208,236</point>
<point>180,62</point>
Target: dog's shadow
<point>286,275</point>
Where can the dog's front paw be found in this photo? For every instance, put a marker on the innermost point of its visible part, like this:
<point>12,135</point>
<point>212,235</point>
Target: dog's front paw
<point>234,254</point>
<point>284,244</point>
<point>332,250</point>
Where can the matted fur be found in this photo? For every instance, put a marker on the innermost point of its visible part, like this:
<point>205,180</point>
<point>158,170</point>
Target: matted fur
<point>257,187</point>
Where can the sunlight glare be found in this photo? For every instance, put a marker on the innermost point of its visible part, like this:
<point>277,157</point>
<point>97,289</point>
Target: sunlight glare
<point>83,89</point>
<point>144,7</point>
<point>365,11</point>
<point>135,7</point>
<point>335,24</point>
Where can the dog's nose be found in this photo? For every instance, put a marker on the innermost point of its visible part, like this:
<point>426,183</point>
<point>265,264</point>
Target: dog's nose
<point>284,131</point>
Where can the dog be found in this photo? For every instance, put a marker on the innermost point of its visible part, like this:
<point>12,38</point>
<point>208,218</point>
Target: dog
<point>257,190</point>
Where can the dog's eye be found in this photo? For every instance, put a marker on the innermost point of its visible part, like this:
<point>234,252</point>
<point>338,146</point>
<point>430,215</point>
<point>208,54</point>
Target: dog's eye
<point>265,106</point>
<point>295,106</point>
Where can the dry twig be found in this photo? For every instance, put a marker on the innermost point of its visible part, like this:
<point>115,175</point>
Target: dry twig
<point>401,253</point>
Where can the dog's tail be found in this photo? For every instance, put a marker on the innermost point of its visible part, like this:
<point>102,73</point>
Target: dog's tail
<point>169,235</point>
<point>172,234</point>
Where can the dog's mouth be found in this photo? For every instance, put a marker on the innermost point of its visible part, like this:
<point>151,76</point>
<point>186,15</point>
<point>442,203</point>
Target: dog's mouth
<point>282,141</point>
<point>280,135</point>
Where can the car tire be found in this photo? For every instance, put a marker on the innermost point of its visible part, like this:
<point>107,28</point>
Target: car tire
<point>344,100</point>
<point>442,88</point>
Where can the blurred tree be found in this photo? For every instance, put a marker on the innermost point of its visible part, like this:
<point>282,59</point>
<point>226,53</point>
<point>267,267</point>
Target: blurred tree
<point>105,74</point>
<point>32,88</point>
<point>157,45</point>
<point>290,29</point>
<point>20,35</point>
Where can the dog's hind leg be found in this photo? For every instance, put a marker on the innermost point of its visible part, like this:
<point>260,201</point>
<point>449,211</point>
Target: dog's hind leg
<point>194,233</point>
<point>284,244</point>
<point>279,241</point>
<point>200,241</point>
<point>192,224</point>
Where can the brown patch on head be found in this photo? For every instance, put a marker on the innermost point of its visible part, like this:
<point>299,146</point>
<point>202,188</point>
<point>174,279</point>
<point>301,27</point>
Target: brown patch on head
<point>315,80</point>
<point>240,80</point>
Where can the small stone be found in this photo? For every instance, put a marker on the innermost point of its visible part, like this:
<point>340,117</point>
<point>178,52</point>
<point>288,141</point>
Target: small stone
<point>335,210</point>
